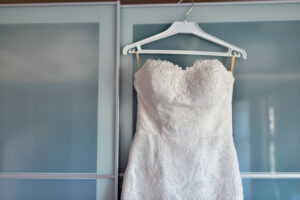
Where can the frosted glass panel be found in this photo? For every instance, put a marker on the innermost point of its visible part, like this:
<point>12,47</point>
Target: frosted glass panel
<point>279,189</point>
<point>105,189</point>
<point>49,94</point>
<point>48,189</point>
<point>266,100</point>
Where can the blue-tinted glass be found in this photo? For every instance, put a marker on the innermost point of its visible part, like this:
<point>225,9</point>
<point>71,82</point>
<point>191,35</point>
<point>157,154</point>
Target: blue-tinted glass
<point>277,189</point>
<point>266,99</point>
<point>48,97</point>
<point>47,189</point>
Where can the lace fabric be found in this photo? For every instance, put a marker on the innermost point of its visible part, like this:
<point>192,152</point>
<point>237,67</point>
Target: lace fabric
<point>183,147</point>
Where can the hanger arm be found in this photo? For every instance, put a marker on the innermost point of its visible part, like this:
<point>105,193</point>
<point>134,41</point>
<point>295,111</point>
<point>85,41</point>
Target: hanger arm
<point>164,34</point>
<point>220,42</point>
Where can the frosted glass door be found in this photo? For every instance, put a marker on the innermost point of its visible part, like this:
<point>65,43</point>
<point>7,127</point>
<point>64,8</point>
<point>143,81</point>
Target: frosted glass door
<point>56,102</point>
<point>266,99</point>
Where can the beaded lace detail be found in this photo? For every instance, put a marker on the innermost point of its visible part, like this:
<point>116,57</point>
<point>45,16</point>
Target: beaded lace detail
<point>183,147</point>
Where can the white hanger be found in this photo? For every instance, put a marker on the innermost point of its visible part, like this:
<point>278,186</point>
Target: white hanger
<point>184,27</point>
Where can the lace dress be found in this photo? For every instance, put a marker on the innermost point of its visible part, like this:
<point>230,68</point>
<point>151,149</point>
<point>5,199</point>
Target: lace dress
<point>183,147</point>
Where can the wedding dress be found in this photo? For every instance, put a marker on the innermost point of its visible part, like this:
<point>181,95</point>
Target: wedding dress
<point>183,147</point>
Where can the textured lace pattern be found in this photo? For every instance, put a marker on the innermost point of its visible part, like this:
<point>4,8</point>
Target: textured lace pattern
<point>183,147</point>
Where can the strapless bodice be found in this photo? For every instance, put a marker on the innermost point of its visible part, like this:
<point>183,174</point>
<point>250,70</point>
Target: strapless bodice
<point>195,100</point>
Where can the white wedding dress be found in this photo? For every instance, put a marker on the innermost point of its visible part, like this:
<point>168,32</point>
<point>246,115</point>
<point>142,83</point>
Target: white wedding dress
<point>183,147</point>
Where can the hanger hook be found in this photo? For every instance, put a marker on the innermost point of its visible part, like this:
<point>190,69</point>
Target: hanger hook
<point>188,12</point>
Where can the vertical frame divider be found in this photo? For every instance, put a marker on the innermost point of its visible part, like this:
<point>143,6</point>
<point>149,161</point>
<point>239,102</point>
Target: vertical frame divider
<point>98,115</point>
<point>106,101</point>
<point>117,71</point>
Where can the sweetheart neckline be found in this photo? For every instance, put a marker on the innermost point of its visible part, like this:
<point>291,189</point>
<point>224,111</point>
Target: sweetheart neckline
<point>196,64</point>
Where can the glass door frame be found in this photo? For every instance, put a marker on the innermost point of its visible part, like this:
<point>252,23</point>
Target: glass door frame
<point>106,14</point>
<point>205,13</point>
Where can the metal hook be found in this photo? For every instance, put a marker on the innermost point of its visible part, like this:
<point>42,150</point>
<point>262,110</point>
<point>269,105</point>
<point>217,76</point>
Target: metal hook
<point>188,12</point>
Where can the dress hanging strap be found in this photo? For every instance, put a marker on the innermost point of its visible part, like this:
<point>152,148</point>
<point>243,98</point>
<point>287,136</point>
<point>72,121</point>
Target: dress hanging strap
<point>138,60</point>
<point>232,63</point>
